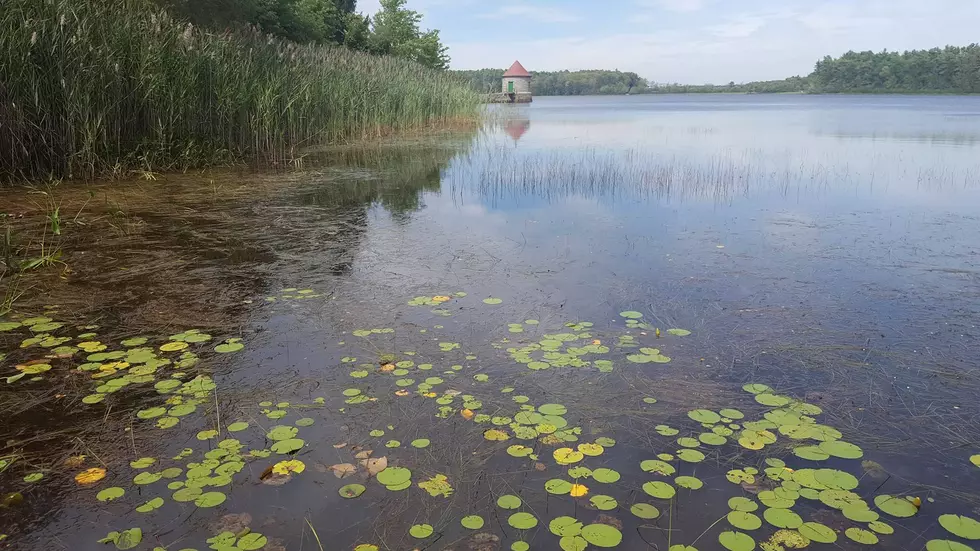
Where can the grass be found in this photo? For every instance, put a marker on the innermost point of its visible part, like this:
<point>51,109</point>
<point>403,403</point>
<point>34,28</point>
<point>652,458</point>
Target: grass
<point>118,87</point>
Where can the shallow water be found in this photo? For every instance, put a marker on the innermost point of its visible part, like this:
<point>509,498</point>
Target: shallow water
<point>825,246</point>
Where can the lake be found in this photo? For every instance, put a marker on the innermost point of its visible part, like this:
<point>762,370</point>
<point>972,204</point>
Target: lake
<point>644,322</point>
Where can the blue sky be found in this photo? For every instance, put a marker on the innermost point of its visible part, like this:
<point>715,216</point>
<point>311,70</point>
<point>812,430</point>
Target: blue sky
<point>690,41</point>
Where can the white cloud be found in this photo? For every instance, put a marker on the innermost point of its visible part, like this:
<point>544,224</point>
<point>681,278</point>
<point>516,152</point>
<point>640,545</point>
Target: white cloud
<point>753,45</point>
<point>678,5</point>
<point>534,13</point>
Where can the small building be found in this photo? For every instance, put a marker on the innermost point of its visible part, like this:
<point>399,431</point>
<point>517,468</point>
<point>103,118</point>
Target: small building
<point>515,86</point>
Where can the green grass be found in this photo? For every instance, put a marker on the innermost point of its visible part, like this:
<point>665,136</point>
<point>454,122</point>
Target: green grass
<point>112,87</point>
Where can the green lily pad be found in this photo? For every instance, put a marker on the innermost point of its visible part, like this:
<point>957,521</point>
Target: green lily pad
<point>110,494</point>
<point>689,482</point>
<point>184,495</point>
<point>896,506</point>
<point>304,422</point>
<point>946,545</point>
<point>690,456</point>
<point>704,416</point>
<point>210,499</point>
<point>129,539</point>
<point>603,502</point>
<point>473,522</point>
<point>237,426</point>
<point>605,476</point>
<point>657,466</point>
<point>861,535</point>
<point>817,532</point>
<point>881,527</point>
<point>522,521</point>
<point>251,542</point>
<point>645,511</point>
<point>291,445</point>
<point>844,450</point>
<point>230,345</point>
<point>602,535</point>
<point>421,531</point>
<point>556,486</point>
<point>393,476</point>
<point>679,332</point>
<point>492,300</point>
<point>782,518</point>
<point>508,501</point>
<point>351,490</point>
<point>631,314</point>
<point>660,490</point>
<point>736,541</point>
<point>151,505</point>
<point>744,520</point>
<point>959,525</point>
<point>420,443</point>
<point>573,543</point>
<point>742,504</point>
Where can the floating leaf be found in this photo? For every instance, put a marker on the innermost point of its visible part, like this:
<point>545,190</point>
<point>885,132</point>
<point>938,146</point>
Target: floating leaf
<point>351,490</point>
<point>508,501</point>
<point>704,416</point>
<point>438,485</point>
<point>288,446</point>
<point>689,482</point>
<point>657,466</point>
<point>645,511</point>
<point>394,476</point>
<point>110,494</point>
<point>959,525</point>
<point>494,435</point>
<point>567,456</point>
<point>736,541</point>
<point>782,518</point>
<point>573,543</point>
<point>421,531</point>
<point>558,486</point>
<point>602,535</point>
<point>128,539</point>
<point>844,450</point>
<point>817,532</point>
<point>289,466</point>
<point>881,527</point>
<point>522,521</point>
<point>605,476</point>
<point>473,522</point>
<point>230,345</point>
<point>603,502</point>
<point>861,535</point>
<point>679,332</point>
<point>492,300</point>
<point>420,443</point>
<point>744,520</point>
<point>659,489</point>
<point>743,504</point>
<point>631,314</point>
<point>33,477</point>
<point>90,476</point>
<point>237,426</point>
<point>251,542</point>
<point>946,545</point>
<point>565,526</point>
<point>150,505</point>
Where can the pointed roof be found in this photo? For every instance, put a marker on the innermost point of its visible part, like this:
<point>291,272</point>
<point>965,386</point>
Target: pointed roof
<point>517,70</point>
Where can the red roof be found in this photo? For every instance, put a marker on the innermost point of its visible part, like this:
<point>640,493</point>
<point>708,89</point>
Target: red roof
<point>517,70</point>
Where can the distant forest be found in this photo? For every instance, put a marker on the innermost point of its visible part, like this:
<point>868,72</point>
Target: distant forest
<point>949,70</point>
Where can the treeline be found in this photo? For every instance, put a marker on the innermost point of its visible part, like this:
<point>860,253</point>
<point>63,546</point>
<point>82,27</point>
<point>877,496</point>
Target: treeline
<point>394,30</point>
<point>107,87</point>
<point>786,86</point>
<point>939,70</point>
<point>562,83</point>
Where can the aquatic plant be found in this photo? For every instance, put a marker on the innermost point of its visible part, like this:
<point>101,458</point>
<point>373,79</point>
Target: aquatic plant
<point>105,87</point>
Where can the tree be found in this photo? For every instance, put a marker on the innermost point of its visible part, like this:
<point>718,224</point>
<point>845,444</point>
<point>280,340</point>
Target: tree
<point>396,32</point>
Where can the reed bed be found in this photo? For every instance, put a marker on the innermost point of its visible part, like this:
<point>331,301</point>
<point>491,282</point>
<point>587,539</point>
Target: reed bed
<point>104,87</point>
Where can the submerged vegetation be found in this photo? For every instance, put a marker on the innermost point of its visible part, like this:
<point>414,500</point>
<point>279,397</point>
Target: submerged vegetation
<point>109,87</point>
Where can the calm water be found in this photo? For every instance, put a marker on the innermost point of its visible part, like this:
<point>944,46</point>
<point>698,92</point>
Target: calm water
<point>825,246</point>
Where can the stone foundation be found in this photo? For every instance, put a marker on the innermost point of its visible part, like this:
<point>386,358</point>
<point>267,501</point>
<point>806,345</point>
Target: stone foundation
<point>509,98</point>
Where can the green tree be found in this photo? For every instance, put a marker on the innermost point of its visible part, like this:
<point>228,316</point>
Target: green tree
<point>396,32</point>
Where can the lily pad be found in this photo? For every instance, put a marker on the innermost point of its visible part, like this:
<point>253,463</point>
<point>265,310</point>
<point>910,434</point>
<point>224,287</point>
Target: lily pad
<point>421,531</point>
<point>603,502</point>
<point>896,506</point>
<point>110,494</point>
<point>631,314</point>
<point>602,535</point>
<point>645,511</point>
<point>492,301</point>
<point>959,525</point>
<point>744,520</point>
<point>946,545</point>
<point>783,518</point>
<point>658,489</point>
<point>508,501</point>
<point>689,482</point>
<point>151,505</point>
<point>473,522</point>
<point>251,542</point>
<point>861,535</point>
<point>522,521</point>
<point>605,476</point>
<point>704,416</point>
<point>556,486</point>
<point>352,490</point>
<point>817,532</point>
<point>394,476</point>
<point>736,541</point>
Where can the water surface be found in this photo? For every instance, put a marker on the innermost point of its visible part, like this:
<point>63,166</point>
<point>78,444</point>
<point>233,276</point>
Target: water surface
<point>822,245</point>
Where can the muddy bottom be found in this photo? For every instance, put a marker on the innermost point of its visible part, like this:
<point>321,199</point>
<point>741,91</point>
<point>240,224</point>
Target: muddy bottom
<point>718,329</point>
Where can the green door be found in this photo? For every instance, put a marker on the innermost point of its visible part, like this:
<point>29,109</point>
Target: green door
<point>510,86</point>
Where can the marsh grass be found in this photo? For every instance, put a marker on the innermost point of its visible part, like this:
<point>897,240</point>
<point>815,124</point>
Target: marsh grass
<point>118,87</point>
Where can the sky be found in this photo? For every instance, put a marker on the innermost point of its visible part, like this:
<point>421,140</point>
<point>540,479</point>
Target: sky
<point>688,41</point>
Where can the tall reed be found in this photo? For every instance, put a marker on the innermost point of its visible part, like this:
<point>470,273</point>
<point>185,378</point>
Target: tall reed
<point>97,87</point>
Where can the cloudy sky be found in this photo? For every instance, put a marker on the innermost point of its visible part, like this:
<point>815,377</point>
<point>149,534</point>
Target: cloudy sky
<point>690,41</point>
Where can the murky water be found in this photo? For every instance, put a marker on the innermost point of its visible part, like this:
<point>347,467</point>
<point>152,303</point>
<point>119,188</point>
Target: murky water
<point>823,246</point>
